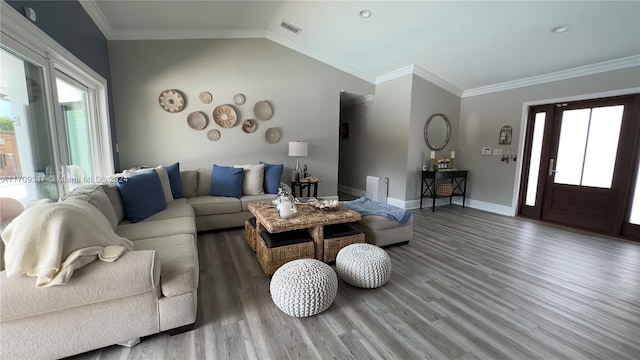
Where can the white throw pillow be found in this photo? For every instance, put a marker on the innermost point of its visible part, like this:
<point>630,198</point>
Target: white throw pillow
<point>164,180</point>
<point>253,179</point>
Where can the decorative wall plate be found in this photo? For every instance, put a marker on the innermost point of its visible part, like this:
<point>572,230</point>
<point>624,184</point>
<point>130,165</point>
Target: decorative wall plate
<point>197,120</point>
<point>263,111</point>
<point>272,135</point>
<point>205,97</point>
<point>171,101</point>
<point>225,116</point>
<point>239,99</point>
<point>213,135</point>
<point>249,126</point>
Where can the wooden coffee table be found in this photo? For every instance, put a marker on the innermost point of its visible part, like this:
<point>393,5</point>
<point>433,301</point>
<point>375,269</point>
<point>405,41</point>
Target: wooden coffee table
<point>307,217</point>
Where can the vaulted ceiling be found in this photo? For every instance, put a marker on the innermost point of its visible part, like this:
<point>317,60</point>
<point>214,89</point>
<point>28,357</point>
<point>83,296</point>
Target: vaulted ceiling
<point>463,46</point>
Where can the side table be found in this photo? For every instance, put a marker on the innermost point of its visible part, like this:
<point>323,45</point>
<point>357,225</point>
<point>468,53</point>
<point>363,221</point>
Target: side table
<point>310,186</point>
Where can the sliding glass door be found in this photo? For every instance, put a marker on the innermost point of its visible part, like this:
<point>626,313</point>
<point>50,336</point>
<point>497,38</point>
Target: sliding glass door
<point>27,157</point>
<point>75,115</point>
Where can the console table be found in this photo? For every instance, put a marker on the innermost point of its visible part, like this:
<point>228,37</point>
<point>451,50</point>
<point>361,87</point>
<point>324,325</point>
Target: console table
<point>430,178</point>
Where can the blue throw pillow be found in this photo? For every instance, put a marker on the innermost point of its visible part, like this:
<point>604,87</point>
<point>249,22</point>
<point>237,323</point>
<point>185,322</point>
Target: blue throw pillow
<point>226,181</point>
<point>272,176</point>
<point>173,171</point>
<point>142,195</point>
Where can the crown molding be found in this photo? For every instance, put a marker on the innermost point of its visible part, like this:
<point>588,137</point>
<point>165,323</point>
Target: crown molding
<point>93,10</point>
<point>435,79</point>
<point>422,73</point>
<point>319,57</point>
<point>185,34</point>
<point>395,74</point>
<point>592,69</point>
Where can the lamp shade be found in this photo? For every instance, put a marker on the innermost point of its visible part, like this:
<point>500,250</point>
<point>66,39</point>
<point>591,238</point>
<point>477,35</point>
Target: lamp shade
<point>298,148</point>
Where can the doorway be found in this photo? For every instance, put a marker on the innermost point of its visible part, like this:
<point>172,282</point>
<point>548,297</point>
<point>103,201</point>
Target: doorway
<point>581,163</point>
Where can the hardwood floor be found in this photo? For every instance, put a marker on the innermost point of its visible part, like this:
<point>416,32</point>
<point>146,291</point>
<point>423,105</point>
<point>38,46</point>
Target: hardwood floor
<point>470,285</point>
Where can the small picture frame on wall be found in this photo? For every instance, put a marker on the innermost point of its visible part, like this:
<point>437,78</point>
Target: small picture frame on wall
<point>344,131</point>
<point>505,135</point>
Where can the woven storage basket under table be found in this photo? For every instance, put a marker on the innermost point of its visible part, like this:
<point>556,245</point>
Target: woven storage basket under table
<point>250,232</point>
<point>271,258</point>
<point>444,189</point>
<point>338,236</point>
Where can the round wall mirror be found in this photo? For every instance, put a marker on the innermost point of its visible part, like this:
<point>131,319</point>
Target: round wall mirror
<point>437,132</point>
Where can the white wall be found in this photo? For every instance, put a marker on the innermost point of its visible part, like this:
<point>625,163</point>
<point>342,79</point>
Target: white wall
<point>491,181</point>
<point>304,94</point>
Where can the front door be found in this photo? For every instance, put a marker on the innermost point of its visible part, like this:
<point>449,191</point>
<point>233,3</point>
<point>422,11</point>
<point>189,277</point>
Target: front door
<point>587,156</point>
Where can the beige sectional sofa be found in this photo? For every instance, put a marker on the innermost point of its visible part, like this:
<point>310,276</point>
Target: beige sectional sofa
<point>148,290</point>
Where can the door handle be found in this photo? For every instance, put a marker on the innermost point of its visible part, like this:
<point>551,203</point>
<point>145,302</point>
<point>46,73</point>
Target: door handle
<point>551,169</point>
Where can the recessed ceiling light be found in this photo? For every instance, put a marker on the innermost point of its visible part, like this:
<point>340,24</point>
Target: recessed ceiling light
<point>560,29</point>
<point>365,13</point>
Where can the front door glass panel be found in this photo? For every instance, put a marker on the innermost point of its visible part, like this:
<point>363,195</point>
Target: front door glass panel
<point>588,146</point>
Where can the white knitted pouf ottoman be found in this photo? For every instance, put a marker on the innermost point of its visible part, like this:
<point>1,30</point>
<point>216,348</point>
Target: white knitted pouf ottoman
<point>304,287</point>
<point>363,265</point>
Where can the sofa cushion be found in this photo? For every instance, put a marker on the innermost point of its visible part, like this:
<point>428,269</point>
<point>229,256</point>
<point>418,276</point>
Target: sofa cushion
<point>179,258</point>
<point>142,195</point>
<point>246,200</point>
<point>173,172</point>
<point>158,228</point>
<point>116,200</point>
<point>204,182</point>
<point>189,183</point>
<point>178,208</point>
<point>95,195</point>
<point>210,205</point>
<point>252,183</point>
<point>226,181</point>
<point>272,176</point>
<point>162,175</point>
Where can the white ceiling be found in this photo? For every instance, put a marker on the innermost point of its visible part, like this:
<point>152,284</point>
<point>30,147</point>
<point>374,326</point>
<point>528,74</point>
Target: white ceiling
<point>464,46</point>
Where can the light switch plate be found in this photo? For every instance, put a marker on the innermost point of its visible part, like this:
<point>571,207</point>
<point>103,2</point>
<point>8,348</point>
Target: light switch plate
<point>486,151</point>
<point>498,152</point>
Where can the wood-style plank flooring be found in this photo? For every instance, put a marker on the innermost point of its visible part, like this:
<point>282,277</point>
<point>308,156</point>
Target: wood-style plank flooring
<point>470,285</point>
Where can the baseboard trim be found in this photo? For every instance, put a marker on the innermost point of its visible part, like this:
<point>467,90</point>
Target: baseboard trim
<point>426,203</point>
<point>352,191</point>
<point>486,206</point>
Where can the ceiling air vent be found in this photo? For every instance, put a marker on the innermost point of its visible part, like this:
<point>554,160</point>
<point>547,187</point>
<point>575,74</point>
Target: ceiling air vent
<point>294,29</point>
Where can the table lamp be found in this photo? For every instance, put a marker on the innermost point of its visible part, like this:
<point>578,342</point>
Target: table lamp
<point>297,149</point>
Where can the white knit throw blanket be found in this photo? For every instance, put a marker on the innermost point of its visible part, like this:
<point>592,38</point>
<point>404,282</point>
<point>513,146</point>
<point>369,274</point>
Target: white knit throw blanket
<point>51,241</point>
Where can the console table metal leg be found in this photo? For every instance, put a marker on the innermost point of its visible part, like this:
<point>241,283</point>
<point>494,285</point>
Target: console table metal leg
<point>464,192</point>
